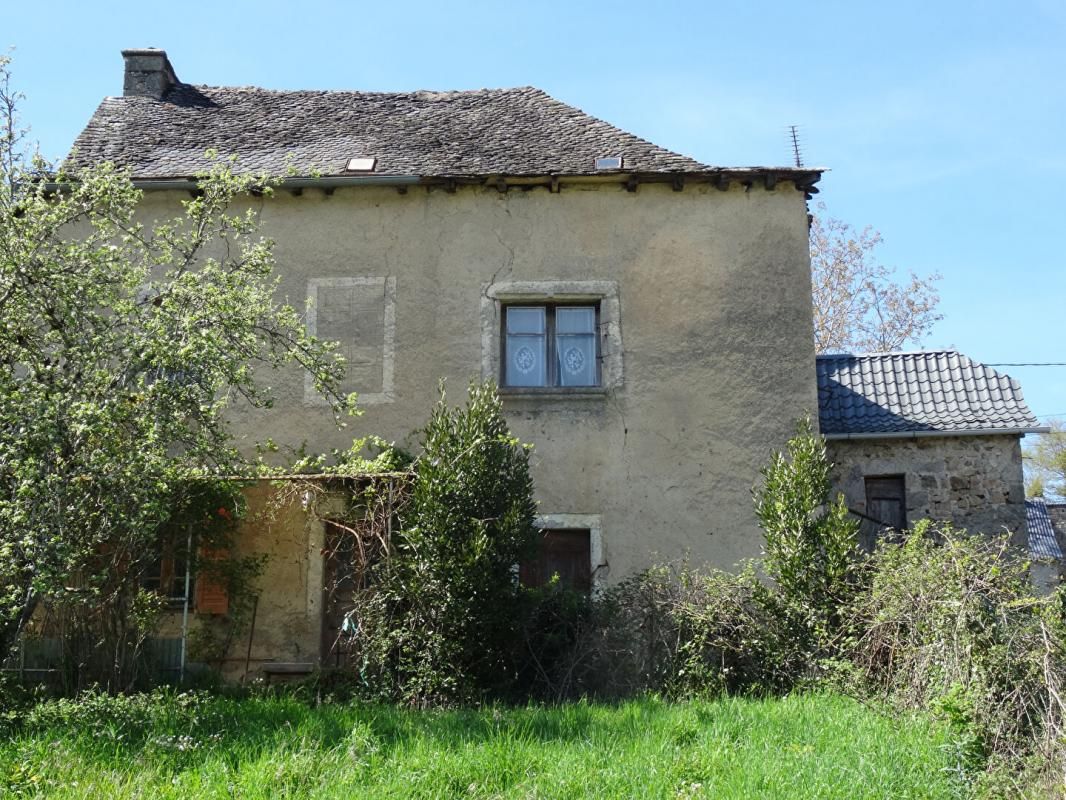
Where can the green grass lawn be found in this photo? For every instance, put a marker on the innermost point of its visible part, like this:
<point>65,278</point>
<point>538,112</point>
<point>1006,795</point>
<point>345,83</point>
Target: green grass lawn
<point>182,746</point>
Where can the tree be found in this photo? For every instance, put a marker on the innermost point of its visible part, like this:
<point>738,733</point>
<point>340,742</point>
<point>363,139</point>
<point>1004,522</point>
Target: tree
<point>1045,462</point>
<point>121,349</point>
<point>858,306</point>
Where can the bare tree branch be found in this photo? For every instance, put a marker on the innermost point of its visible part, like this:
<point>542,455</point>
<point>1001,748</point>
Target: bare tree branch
<point>858,304</point>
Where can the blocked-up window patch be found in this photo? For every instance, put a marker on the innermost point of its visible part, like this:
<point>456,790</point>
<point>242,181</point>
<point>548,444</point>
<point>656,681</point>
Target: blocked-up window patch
<point>359,314</point>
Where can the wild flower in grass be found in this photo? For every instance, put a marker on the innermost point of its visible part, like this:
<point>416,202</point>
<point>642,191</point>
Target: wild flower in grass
<point>180,743</point>
<point>689,789</point>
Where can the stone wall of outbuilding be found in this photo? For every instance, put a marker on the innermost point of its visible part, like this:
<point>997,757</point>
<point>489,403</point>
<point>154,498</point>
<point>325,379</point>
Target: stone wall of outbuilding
<point>975,482</point>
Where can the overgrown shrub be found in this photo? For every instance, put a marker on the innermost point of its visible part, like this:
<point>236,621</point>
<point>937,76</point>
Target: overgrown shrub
<point>811,541</point>
<point>672,631</point>
<point>951,624</point>
<point>440,623</point>
<point>734,635</point>
<point>555,620</point>
<point>618,643</point>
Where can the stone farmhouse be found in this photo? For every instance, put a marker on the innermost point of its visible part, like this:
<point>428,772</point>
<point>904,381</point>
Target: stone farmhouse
<point>647,317</point>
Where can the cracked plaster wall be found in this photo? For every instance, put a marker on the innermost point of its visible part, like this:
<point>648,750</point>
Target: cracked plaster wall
<point>714,310</point>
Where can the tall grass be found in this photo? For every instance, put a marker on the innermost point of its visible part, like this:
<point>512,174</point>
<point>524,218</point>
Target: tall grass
<point>193,745</point>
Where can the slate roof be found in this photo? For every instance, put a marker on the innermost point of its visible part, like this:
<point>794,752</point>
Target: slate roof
<point>521,131</point>
<point>1043,543</point>
<point>936,392</point>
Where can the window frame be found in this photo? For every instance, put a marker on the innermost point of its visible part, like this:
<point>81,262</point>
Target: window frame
<point>552,384</point>
<point>593,523</point>
<point>873,529</point>
<point>898,478</point>
<point>387,284</point>
<point>169,556</point>
<point>495,294</point>
<point>540,559</point>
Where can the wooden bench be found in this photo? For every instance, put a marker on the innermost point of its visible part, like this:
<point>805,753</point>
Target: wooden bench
<point>287,669</point>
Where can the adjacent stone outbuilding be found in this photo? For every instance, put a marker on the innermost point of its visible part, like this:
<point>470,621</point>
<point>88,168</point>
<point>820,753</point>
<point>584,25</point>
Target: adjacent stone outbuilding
<point>925,434</point>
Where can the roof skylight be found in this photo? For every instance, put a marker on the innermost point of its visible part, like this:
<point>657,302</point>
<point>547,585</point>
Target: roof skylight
<point>360,165</point>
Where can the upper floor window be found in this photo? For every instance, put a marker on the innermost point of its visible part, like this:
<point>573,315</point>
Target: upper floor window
<point>549,345</point>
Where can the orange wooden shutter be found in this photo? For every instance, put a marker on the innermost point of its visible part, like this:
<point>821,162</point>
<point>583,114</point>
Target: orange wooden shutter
<point>212,596</point>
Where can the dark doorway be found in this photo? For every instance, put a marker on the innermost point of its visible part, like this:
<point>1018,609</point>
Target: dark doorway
<point>343,575</point>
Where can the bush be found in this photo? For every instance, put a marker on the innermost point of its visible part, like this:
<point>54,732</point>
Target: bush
<point>811,541</point>
<point>735,636</point>
<point>441,621</point>
<point>950,624</point>
<point>677,632</point>
<point>621,642</point>
<point>683,631</point>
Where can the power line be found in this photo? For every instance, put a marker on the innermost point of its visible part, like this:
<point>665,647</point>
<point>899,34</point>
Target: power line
<point>1026,364</point>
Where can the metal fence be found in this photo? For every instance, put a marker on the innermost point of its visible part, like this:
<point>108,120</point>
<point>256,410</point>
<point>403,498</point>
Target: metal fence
<point>43,660</point>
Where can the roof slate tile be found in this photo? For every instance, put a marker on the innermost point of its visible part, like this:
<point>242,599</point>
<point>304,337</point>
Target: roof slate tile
<point>520,131</point>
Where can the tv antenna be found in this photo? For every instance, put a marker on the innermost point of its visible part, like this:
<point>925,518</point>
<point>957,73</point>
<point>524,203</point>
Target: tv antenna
<point>794,140</point>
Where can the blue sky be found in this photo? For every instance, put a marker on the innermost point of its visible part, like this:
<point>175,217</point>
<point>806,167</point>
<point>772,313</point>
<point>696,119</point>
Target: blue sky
<point>943,124</point>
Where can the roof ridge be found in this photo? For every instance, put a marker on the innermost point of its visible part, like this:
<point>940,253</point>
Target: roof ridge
<point>888,353</point>
<point>366,92</point>
<point>412,134</point>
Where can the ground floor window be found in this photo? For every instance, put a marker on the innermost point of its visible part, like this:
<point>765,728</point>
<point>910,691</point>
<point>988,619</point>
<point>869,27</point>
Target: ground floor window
<point>165,575</point>
<point>566,553</point>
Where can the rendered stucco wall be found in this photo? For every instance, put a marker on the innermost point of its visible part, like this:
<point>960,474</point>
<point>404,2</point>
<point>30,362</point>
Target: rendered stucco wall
<point>288,618</point>
<point>973,481</point>
<point>713,292</point>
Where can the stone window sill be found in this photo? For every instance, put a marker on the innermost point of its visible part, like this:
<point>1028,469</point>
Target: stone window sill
<point>554,393</point>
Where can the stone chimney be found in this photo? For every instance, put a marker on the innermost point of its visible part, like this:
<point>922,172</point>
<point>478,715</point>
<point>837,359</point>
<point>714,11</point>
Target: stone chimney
<point>148,73</point>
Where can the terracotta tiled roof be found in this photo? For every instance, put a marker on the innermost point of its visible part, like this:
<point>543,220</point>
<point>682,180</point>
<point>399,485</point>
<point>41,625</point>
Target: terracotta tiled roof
<point>922,392</point>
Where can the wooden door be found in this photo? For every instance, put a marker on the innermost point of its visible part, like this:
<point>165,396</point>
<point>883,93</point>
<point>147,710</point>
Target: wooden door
<point>886,501</point>
<point>566,553</point>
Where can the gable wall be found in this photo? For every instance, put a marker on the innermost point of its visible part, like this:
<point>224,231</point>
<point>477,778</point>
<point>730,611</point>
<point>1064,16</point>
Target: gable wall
<point>714,318</point>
